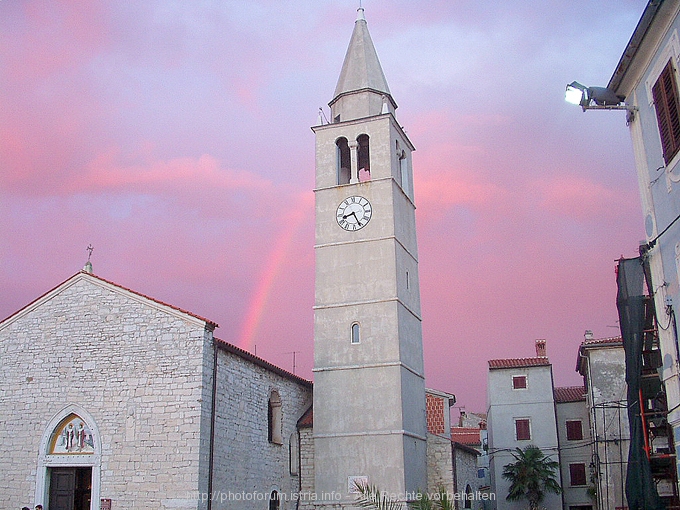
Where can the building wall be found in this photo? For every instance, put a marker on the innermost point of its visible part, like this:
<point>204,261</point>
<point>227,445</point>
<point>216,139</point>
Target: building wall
<point>659,188</point>
<point>536,402</point>
<point>439,464</point>
<point>574,451</point>
<point>466,476</point>
<point>246,462</point>
<point>606,400</point>
<point>134,368</point>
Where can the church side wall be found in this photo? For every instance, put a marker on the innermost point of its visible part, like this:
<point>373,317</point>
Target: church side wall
<point>135,369</point>
<point>248,467</point>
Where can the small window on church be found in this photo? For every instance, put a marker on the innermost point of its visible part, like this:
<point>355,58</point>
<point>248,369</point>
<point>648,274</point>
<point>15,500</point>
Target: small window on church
<point>355,333</point>
<point>363,159</point>
<point>274,501</point>
<point>344,161</point>
<point>294,454</point>
<point>274,418</point>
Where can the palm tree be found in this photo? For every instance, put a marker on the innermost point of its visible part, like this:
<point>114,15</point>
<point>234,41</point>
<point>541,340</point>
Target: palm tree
<point>531,476</point>
<point>371,497</point>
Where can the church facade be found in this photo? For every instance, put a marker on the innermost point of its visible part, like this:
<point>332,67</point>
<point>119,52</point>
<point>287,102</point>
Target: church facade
<point>115,400</point>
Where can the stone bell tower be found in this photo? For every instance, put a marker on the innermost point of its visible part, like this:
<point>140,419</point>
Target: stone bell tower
<point>369,391</point>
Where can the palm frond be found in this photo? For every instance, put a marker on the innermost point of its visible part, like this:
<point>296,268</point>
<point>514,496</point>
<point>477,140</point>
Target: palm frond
<point>370,497</point>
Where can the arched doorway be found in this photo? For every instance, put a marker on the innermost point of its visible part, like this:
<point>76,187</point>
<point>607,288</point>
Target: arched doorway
<point>69,461</point>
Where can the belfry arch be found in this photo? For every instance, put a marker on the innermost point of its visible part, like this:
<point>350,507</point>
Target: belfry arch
<point>69,459</point>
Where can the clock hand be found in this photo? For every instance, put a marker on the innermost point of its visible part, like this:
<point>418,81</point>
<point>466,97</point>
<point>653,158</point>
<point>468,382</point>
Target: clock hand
<point>351,214</point>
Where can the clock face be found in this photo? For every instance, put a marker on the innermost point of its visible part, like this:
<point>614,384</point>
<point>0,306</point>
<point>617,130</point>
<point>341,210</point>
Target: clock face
<point>354,213</point>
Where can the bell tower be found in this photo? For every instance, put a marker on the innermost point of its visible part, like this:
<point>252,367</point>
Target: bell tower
<point>369,391</point>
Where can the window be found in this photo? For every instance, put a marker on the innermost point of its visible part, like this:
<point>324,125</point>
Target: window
<point>574,430</point>
<point>274,501</point>
<point>293,454</point>
<point>468,497</point>
<point>274,418</point>
<point>667,105</point>
<point>355,333</point>
<point>577,474</point>
<point>519,382</point>
<point>344,161</point>
<point>363,159</point>
<point>522,429</point>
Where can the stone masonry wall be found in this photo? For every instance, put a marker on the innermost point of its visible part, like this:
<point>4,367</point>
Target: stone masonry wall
<point>247,466</point>
<point>136,367</point>
<point>439,463</point>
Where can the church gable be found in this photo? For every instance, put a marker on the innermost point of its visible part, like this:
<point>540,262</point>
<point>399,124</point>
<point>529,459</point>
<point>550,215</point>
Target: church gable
<point>137,368</point>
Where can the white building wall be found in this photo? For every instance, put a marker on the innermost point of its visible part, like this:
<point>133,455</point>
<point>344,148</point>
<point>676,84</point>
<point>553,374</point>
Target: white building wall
<point>574,452</point>
<point>536,403</point>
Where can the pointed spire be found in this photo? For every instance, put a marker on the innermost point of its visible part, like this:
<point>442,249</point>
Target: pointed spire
<point>361,69</point>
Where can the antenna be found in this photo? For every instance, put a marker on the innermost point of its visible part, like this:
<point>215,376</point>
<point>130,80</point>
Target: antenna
<point>294,363</point>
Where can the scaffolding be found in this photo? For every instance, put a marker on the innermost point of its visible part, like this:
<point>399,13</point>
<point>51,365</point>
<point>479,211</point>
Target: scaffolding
<point>657,433</point>
<point>651,480</point>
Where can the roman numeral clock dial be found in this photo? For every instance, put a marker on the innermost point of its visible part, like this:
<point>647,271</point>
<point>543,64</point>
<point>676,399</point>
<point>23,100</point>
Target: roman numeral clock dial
<point>354,213</point>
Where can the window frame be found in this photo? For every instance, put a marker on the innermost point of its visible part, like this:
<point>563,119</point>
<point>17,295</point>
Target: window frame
<point>518,378</point>
<point>582,467</point>
<point>528,422</point>
<point>580,430</point>
<point>670,52</point>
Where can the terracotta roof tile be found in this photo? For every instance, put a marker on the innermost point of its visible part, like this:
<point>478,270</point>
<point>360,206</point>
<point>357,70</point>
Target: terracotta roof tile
<point>570,394</point>
<point>518,363</point>
<point>307,419</point>
<point>466,435</point>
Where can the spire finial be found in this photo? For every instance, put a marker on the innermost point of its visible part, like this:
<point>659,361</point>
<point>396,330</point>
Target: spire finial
<point>360,12</point>
<point>88,264</point>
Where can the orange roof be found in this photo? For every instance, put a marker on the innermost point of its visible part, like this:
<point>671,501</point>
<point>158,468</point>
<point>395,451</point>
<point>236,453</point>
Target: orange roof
<point>518,363</point>
<point>466,435</point>
<point>570,394</point>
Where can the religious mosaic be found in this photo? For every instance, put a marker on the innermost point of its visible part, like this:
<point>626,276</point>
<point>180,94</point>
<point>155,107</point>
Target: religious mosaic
<point>72,436</point>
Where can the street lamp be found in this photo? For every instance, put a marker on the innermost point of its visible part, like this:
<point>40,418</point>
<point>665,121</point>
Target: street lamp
<point>596,98</point>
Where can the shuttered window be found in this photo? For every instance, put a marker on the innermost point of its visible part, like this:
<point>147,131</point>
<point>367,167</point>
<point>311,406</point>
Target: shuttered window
<point>667,104</point>
<point>577,474</point>
<point>574,430</point>
<point>522,429</point>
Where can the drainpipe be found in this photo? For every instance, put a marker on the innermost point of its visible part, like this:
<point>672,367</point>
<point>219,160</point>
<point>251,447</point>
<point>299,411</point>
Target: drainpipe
<point>213,413</point>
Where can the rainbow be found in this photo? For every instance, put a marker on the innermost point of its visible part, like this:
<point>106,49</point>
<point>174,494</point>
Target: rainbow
<point>281,247</point>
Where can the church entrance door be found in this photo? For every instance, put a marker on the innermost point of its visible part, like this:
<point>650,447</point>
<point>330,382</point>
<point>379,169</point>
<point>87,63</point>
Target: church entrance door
<point>70,488</point>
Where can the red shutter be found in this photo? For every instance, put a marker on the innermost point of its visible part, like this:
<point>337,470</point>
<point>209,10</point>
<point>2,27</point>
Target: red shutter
<point>667,104</point>
<point>574,430</point>
<point>577,474</point>
<point>522,430</point>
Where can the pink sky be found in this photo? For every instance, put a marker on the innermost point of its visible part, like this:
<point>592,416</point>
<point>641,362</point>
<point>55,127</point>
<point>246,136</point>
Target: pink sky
<point>174,137</point>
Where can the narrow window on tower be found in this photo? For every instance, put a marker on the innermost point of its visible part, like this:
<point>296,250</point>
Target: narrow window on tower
<point>344,161</point>
<point>403,170</point>
<point>363,159</point>
<point>408,281</point>
<point>355,333</point>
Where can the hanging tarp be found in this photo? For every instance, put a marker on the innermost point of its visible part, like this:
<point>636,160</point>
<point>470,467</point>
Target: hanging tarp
<point>640,488</point>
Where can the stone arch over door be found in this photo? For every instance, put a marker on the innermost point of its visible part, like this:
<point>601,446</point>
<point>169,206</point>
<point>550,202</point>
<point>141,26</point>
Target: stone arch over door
<point>61,449</point>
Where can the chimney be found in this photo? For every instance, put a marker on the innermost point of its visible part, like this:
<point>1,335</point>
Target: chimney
<point>540,348</point>
<point>588,335</point>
